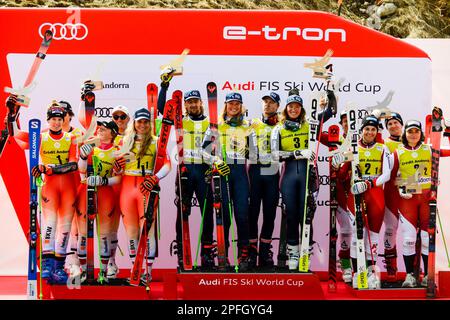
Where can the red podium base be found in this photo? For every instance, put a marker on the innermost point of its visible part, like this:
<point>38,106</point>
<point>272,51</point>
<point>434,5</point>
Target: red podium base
<point>98,292</point>
<point>388,294</point>
<point>443,290</point>
<point>162,287</point>
<point>250,286</point>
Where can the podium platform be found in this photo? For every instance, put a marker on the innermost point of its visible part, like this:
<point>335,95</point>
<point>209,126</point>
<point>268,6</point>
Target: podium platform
<point>168,284</point>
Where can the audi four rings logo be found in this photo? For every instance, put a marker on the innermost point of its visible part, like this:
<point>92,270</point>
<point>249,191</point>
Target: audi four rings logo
<point>103,112</point>
<point>65,31</point>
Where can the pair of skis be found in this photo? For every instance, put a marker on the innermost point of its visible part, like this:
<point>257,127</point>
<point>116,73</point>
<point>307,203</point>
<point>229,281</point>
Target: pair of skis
<point>34,143</point>
<point>184,202</point>
<point>34,140</point>
<point>91,214</point>
<point>176,104</point>
<point>333,142</point>
<point>152,203</point>
<point>211,88</point>
<point>353,133</point>
<point>22,100</point>
<point>309,206</point>
<point>435,137</point>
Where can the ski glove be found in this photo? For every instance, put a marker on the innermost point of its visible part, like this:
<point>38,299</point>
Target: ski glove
<point>405,195</point>
<point>167,74</point>
<point>11,102</point>
<point>119,165</point>
<point>223,168</point>
<point>305,154</point>
<point>148,184</point>
<point>41,169</point>
<point>447,127</point>
<point>94,181</point>
<point>337,159</point>
<point>85,150</point>
<point>361,186</point>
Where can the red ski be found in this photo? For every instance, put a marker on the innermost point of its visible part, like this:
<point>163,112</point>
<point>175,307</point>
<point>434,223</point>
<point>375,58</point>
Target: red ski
<point>435,136</point>
<point>152,203</point>
<point>13,109</point>
<point>211,89</point>
<point>333,141</point>
<point>184,202</point>
<point>152,104</point>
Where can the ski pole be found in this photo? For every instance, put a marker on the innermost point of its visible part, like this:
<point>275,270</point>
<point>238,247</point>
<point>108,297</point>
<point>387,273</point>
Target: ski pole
<point>39,184</point>
<point>230,204</point>
<point>443,237</point>
<point>95,163</point>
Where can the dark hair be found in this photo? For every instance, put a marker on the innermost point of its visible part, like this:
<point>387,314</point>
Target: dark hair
<point>284,115</point>
<point>405,142</point>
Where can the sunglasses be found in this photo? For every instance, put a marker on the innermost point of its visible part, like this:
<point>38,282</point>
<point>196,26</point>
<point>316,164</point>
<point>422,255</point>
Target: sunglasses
<point>122,117</point>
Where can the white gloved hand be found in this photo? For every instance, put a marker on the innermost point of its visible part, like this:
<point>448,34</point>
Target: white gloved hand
<point>94,181</point>
<point>337,159</point>
<point>405,195</point>
<point>447,123</point>
<point>376,113</point>
<point>167,74</point>
<point>85,151</point>
<point>305,154</point>
<point>360,187</point>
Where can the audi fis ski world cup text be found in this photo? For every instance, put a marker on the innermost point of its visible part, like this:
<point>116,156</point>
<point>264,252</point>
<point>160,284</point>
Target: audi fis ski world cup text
<point>251,282</point>
<point>302,86</point>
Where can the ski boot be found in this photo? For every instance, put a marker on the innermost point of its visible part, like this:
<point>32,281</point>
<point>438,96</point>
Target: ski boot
<point>390,261</point>
<point>72,259</point>
<point>59,275</point>
<point>207,257</point>
<point>293,254</point>
<point>265,255</point>
<point>346,269</point>
<point>243,259</point>
<point>355,281</point>
<point>373,277</point>
<point>252,255</point>
<point>410,281</point>
<point>112,270</point>
<point>48,266</point>
<point>177,248</point>
<point>424,282</point>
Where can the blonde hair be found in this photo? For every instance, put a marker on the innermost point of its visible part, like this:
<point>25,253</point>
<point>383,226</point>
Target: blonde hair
<point>130,135</point>
<point>223,112</point>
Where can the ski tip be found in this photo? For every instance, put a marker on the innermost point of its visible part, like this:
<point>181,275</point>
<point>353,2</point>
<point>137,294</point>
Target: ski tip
<point>211,86</point>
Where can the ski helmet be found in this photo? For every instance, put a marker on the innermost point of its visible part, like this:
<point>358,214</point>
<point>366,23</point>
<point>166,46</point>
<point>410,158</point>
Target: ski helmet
<point>294,98</point>
<point>233,96</point>
<point>413,124</point>
<point>67,107</point>
<point>110,125</point>
<point>394,115</point>
<point>370,121</point>
<point>272,95</point>
<point>55,110</point>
